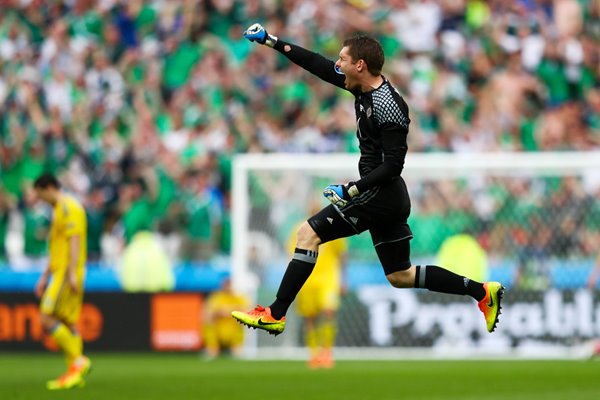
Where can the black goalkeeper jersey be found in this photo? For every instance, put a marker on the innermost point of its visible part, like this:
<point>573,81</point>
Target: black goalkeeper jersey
<point>381,119</point>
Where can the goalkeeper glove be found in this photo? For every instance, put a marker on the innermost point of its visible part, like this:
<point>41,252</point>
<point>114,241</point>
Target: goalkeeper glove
<point>340,195</point>
<point>258,33</point>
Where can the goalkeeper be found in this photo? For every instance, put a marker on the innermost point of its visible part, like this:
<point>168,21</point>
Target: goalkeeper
<point>378,201</point>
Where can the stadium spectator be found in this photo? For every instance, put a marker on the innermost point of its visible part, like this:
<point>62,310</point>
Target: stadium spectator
<point>145,266</point>
<point>96,221</point>
<point>475,263</point>
<point>36,227</point>
<point>202,218</point>
<point>5,207</point>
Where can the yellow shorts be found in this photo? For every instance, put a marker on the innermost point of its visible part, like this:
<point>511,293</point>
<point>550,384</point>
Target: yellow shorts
<point>314,299</point>
<point>60,301</point>
<point>223,335</point>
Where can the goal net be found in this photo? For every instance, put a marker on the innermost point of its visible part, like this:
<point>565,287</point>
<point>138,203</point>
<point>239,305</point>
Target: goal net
<point>528,220</point>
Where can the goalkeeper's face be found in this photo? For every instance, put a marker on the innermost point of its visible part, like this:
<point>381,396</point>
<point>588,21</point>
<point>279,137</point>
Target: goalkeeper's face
<point>350,68</point>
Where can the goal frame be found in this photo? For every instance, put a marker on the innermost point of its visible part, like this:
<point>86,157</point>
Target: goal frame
<point>417,166</point>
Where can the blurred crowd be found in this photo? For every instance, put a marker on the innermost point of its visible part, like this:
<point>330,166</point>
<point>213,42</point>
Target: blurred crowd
<point>139,106</point>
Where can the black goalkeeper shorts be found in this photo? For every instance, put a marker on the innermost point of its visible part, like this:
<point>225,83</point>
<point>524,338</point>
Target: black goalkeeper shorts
<point>382,211</point>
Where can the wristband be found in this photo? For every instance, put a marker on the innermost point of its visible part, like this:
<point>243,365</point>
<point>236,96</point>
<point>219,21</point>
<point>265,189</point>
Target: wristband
<point>271,40</point>
<point>352,189</point>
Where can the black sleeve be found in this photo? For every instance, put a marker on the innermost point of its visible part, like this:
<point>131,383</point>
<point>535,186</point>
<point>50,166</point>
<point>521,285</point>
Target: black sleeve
<point>312,62</point>
<point>394,152</point>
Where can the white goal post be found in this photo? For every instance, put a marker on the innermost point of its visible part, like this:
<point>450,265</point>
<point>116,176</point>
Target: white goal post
<point>418,167</point>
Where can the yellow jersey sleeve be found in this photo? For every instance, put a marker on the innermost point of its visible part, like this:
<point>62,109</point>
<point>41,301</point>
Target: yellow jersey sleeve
<point>74,219</point>
<point>68,220</point>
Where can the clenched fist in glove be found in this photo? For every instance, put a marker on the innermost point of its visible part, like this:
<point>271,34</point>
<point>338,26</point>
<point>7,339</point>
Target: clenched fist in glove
<point>258,33</point>
<point>340,195</point>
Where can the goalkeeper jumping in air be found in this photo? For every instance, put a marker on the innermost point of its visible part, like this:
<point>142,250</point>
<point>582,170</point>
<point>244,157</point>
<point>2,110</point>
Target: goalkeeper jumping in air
<point>378,201</point>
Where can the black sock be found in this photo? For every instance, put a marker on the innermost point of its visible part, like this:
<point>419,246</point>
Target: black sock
<point>441,280</point>
<point>297,272</point>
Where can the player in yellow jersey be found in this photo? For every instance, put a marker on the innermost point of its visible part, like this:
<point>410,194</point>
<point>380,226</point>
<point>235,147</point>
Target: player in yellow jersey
<point>220,330</point>
<point>60,287</point>
<point>319,300</point>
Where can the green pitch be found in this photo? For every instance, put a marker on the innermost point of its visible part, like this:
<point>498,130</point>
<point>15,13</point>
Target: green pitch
<point>173,377</point>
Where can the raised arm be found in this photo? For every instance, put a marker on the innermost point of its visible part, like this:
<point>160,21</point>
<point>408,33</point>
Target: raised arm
<point>312,62</point>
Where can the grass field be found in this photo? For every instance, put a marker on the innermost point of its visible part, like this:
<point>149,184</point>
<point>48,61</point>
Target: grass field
<point>173,376</point>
